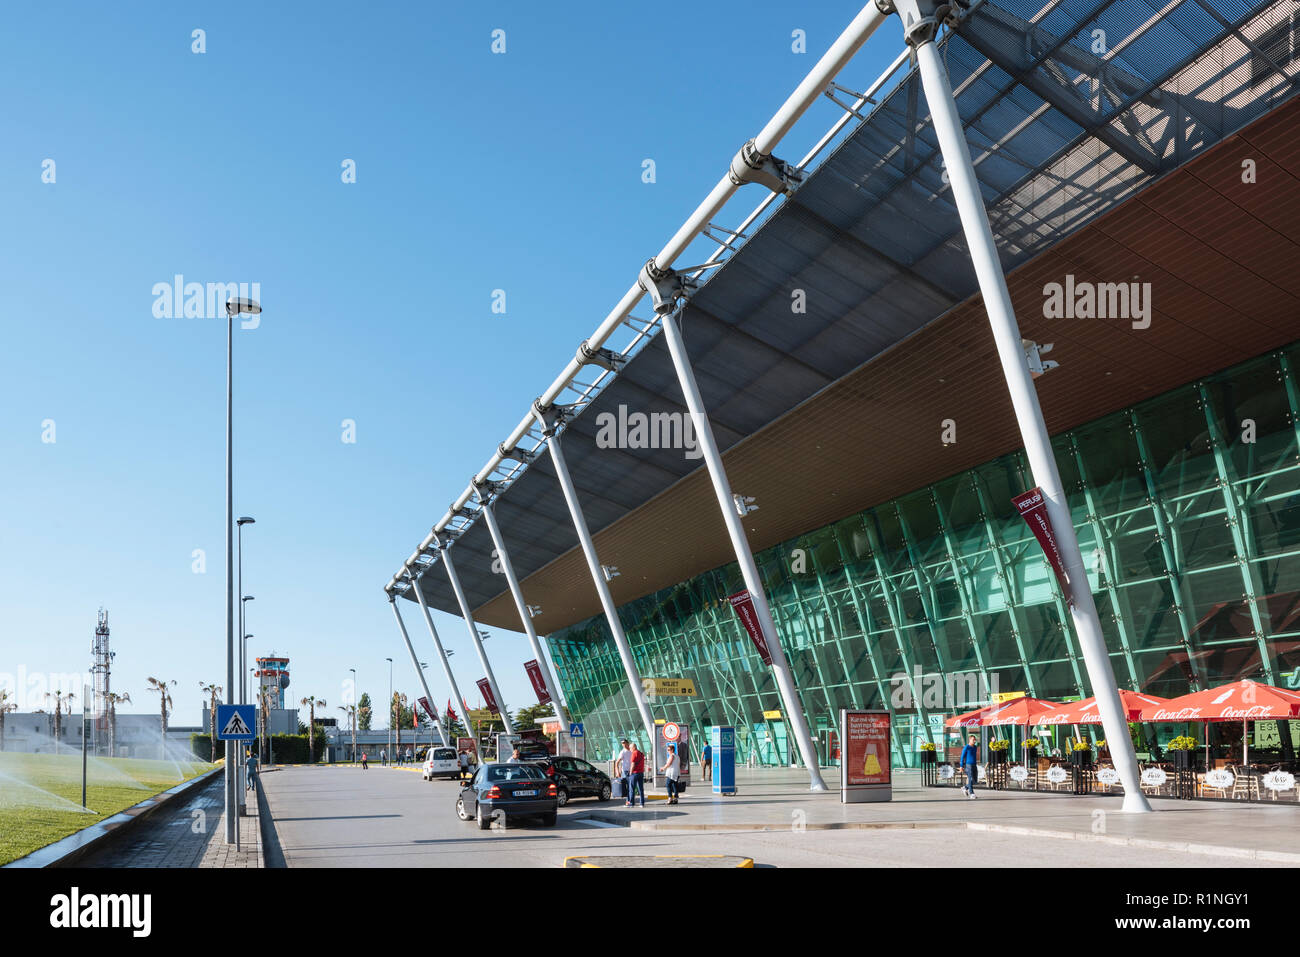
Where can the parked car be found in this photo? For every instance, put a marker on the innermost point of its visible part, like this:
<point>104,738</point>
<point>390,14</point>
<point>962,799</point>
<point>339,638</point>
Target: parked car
<point>441,762</point>
<point>512,788</point>
<point>575,777</point>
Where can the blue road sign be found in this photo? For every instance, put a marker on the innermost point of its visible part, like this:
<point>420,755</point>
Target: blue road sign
<point>575,729</point>
<point>235,722</point>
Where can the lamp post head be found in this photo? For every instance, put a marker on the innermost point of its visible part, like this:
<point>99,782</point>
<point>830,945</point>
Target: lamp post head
<point>248,598</point>
<point>235,306</point>
<point>245,520</point>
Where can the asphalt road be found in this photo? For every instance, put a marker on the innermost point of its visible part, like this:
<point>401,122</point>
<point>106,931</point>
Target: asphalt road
<point>387,817</point>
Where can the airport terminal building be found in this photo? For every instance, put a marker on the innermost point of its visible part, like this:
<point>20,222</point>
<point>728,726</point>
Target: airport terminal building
<point>1138,164</point>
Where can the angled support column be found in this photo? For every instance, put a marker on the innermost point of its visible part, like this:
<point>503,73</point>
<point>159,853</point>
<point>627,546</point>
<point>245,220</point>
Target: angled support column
<point>550,418</point>
<point>920,25</point>
<point>444,547</point>
<point>415,663</point>
<point>484,493</point>
<point>442,656</point>
<point>740,545</point>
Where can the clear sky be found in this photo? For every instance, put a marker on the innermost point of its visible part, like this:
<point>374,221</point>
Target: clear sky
<point>475,171</point>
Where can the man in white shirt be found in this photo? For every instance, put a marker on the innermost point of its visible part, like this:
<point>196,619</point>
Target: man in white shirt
<point>624,765</point>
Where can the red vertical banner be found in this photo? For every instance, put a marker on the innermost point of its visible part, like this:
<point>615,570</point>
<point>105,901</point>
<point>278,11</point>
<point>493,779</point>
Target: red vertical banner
<point>743,603</point>
<point>424,703</point>
<point>1033,509</point>
<point>485,689</point>
<point>539,683</point>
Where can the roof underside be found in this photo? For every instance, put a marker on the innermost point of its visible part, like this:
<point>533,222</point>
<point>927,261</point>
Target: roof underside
<point>1059,134</point>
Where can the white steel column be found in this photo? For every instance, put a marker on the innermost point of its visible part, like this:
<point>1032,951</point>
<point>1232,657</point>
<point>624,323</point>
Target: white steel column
<point>445,549</point>
<point>415,663</point>
<point>442,656</point>
<point>744,555</point>
<point>919,28</point>
<point>548,417</point>
<point>525,618</point>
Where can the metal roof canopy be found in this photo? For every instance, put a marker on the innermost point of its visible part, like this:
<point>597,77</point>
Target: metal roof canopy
<point>1058,133</point>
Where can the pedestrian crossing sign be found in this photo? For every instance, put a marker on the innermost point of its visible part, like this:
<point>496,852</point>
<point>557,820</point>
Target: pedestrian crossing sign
<point>235,722</point>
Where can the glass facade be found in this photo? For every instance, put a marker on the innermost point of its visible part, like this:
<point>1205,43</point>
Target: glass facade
<point>1187,509</point>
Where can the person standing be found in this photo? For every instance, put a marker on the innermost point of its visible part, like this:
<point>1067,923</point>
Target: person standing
<point>462,760</point>
<point>969,763</point>
<point>671,770</point>
<point>624,765</point>
<point>250,765</point>
<point>383,755</point>
<point>365,758</point>
<point>706,760</point>
<point>636,781</point>
<point>514,755</point>
<point>410,758</point>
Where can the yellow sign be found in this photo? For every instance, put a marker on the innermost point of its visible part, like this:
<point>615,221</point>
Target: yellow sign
<point>680,687</point>
<point>1004,696</point>
<point>773,715</point>
<point>479,715</point>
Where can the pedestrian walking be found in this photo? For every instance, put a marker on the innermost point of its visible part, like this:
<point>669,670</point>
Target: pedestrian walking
<point>250,765</point>
<point>706,759</point>
<point>671,770</point>
<point>462,759</point>
<point>636,781</point>
<point>383,755</point>
<point>969,763</point>
<point>364,759</point>
<point>409,757</point>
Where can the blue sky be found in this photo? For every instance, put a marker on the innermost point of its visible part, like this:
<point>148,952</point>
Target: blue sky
<point>475,171</point>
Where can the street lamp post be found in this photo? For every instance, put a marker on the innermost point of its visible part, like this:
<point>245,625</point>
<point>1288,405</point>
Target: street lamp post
<point>356,703</point>
<point>389,753</point>
<point>234,307</point>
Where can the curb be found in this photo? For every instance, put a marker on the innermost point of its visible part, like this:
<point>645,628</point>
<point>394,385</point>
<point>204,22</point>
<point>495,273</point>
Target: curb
<point>668,860</point>
<point>1186,847</point>
<point>67,851</point>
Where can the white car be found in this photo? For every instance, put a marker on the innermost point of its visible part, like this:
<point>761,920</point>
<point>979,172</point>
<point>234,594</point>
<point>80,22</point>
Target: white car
<point>441,762</point>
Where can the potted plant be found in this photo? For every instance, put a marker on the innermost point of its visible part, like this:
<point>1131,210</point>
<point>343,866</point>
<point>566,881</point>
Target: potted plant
<point>998,751</point>
<point>1103,750</point>
<point>1030,746</point>
<point>1182,750</point>
<point>928,755</point>
<point>1080,753</point>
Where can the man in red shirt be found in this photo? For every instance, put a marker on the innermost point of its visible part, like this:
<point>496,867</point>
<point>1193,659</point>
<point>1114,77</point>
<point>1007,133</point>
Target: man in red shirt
<point>636,782</point>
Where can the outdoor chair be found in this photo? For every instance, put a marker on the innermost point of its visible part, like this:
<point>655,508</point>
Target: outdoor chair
<point>1205,790</point>
<point>1245,784</point>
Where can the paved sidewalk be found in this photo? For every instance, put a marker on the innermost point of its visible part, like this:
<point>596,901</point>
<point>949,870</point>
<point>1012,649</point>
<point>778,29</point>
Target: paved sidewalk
<point>779,800</point>
<point>192,834</point>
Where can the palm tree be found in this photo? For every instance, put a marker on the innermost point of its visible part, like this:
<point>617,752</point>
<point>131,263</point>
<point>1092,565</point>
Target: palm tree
<point>5,707</point>
<point>350,712</point>
<point>311,701</point>
<point>399,705</point>
<point>60,698</point>
<point>113,699</point>
<point>212,691</point>
<point>164,702</point>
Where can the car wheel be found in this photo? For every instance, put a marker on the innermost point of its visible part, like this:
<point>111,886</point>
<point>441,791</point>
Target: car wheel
<point>548,820</point>
<point>484,822</point>
<point>561,797</point>
<point>605,792</point>
<point>460,809</point>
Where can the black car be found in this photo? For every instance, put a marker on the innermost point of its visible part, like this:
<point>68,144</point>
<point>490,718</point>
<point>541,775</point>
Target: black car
<point>574,777</point>
<point>513,789</point>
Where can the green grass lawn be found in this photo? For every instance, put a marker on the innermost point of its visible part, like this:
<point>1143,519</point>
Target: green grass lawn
<point>40,794</point>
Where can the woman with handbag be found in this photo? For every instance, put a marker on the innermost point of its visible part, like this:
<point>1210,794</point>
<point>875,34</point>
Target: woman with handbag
<point>671,770</point>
